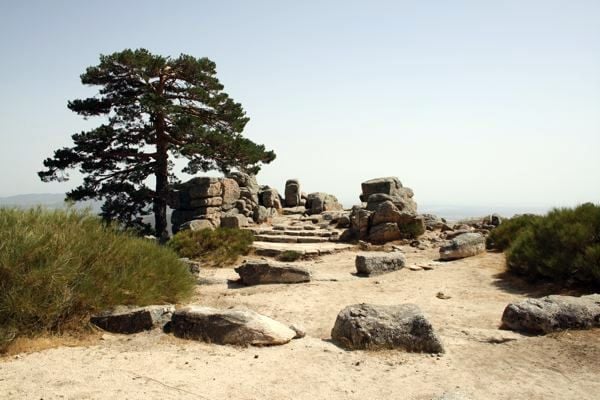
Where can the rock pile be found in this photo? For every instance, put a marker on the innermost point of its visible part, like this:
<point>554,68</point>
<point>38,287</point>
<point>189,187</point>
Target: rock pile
<point>232,202</point>
<point>388,212</point>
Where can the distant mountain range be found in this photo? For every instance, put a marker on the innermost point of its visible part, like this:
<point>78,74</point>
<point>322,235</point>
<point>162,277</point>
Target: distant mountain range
<point>48,200</point>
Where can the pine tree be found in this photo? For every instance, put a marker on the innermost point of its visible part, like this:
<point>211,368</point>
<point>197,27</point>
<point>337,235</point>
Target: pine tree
<point>155,108</point>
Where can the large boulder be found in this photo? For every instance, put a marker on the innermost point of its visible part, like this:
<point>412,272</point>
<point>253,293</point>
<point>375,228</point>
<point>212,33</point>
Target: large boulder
<point>234,221</point>
<point>378,262</point>
<point>553,313</point>
<point>245,181</point>
<point>270,198</point>
<point>127,319</point>
<point>292,193</point>
<point>388,212</point>
<point>360,222</point>
<point>404,204</point>
<point>203,186</point>
<point>231,191</point>
<point>385,232</point>
<point>433,222</point>
<point>465,245</point>
<point>389,185</point>
<point>319,202</point>
<point>373,327</point>
<point>256,272</point>
<point>237,327</point>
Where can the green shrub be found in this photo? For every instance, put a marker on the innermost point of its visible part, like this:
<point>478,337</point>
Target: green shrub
<point>217,248</point>
<point>563,246</point>
<point>58,267</point>
<point>289,255</point>
<point>501,237</point>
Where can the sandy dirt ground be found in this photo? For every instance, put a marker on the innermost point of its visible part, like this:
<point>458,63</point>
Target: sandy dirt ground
<point>481,362</point>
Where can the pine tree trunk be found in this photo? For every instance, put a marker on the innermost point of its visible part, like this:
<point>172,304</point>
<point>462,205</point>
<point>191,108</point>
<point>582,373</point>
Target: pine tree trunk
<point>162,183</point>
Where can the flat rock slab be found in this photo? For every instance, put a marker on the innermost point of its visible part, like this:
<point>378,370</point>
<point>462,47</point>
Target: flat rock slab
<point>373,327</point>
<point>256,272</point>
<point>125,319</point>
<point>462,246</point>
<point>379,262</point>
<point>237,327</point>
<point>269,249</point>
<point>553,313</point>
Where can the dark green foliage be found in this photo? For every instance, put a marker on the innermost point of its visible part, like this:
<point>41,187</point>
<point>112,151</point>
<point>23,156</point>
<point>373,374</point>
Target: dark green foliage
<point>501,237</point>
<point>217,248</point>
<point>156,108</point>
<point>57,267</point>
<point>289,256</point>
<point>563,246</point>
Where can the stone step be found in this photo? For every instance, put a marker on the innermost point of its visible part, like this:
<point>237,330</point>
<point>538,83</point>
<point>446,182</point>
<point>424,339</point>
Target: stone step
<point>311,233</point>
<point>290,239</point>
<point>269,249</point>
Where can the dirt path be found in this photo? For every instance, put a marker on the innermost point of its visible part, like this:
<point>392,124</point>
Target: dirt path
<point>480,362</point>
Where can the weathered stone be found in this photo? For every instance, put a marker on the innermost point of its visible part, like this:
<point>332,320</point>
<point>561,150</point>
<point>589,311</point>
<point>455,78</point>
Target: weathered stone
<point>231,191</point>
<point>433,222</point>
<point>203,186</point>
<point>384,233</point>
<point>256,272</point>
<point>343,222</point>
<point>413,227</point>
<point>236,327</point>
<point>553,313</point>
<point>126,319</point>
<point>376,262</point>
<point>360,221</point>
<point>234,221</point>
<point>197,225</point>
<point>270,198</point>
<point>465,245</point>
<point>388,185</point>
<point>248,196</point>
<point>404,204</point>
<point>319,202</point>
<point>292,193</point>
<point>373,327</point>
<point>388,212</point>
<point>206,202</point>
<point>262,214</point>
<point>245,181</point>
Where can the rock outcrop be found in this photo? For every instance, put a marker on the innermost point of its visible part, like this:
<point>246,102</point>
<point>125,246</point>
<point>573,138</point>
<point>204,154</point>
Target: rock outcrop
<point>125,319</point>
<point>373,327</point>
<point>463,245</point>
<point>236,327</point>
<point>390,213</point>
<point>233,201</point>
<point>292,193</point>
<point>320,202</point>
<point>257,272</point>
<point>378,262</point>
<point>553,313</point>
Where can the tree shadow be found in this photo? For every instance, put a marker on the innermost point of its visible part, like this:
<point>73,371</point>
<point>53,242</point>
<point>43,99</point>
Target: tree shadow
<point>515,284</point>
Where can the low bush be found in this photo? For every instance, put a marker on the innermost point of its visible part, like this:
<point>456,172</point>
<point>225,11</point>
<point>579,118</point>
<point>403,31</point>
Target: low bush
<point>501,237</point>
<point>217,248</point>
<point>289,256</point>
<point>563,246</point>
<point>58,267</point>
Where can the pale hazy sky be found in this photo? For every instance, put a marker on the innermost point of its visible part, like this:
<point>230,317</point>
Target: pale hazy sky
<point>468,102</point>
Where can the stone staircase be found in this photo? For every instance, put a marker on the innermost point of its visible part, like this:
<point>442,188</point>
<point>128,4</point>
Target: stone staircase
<point>303,237</point>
